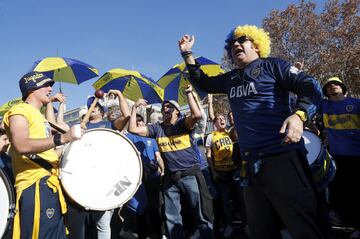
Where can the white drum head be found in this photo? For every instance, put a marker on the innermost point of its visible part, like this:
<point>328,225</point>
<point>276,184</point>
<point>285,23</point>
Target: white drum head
<point>4,203</point>
<point>101,171</point>
<point>312,145</point>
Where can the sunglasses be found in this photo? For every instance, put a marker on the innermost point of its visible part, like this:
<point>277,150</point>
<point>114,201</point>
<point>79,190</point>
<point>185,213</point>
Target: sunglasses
<point>240,40</point>
<point>167,106</point>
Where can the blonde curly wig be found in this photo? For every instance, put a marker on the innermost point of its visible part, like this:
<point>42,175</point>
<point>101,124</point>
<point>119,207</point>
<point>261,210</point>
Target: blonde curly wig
<point>260,39</point>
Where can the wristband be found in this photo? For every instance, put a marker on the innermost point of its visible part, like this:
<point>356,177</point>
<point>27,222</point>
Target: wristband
<point>186,53</point>
<point>57,139</point>
<point>302,115</point>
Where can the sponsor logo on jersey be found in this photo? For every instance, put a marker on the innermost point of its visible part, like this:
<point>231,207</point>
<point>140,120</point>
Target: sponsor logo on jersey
<point>243,90</point>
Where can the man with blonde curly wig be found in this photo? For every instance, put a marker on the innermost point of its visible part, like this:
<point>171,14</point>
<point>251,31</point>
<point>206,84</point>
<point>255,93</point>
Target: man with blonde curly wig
<point>280,189</point>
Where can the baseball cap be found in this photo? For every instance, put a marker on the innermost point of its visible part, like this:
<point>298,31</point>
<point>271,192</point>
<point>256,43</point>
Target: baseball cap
<point>32,81</point>
<point>337,80</point>
<point>172,102</point>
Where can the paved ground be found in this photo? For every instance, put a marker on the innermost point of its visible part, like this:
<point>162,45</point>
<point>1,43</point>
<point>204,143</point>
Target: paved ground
<point>336,233</point>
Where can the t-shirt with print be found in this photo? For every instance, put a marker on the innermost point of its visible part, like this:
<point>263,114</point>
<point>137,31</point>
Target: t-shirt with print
<point>176,144</point>
<point>100,124</point>
<point>147,148</point>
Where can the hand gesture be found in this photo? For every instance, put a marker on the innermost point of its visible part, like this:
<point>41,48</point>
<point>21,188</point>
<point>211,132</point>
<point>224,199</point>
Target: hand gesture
<point>292,128</point>
<point>113,93</point>
<point>59,97</point>
<point>186,43</point>
<point>140,102</point>
<point>188,89</point>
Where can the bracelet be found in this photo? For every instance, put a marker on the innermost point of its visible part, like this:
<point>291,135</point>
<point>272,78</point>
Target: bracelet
<point>57,139</point>
<point>186,53</point>
<point>302,115</point>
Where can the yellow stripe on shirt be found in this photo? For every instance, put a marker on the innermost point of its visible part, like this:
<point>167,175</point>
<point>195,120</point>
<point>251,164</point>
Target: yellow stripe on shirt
<point>342,121</point>
<point>174,143</point>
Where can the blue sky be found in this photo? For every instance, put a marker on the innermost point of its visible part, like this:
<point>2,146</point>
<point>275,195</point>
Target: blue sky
<point>132,34</point>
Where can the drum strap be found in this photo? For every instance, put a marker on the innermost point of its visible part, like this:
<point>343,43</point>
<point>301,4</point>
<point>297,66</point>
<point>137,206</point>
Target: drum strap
<point>57,128</point>
<point>40,161</point>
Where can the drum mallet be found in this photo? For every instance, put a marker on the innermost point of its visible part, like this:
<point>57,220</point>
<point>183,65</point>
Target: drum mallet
<point>98,95</point>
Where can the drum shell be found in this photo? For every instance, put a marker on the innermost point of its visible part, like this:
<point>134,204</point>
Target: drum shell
<point>7,200</point>
<point>102,170</point>
<point>320,161</point>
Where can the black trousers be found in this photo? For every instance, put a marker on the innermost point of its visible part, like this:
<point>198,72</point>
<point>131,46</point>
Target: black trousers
<point>281,195</point>
<point>343,190</point>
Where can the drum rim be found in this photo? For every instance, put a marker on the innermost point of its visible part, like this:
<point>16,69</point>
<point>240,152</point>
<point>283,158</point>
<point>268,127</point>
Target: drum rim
<point>65,152</point>
<point>11,197</point>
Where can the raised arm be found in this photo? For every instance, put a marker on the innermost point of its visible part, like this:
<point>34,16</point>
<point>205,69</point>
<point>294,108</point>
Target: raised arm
<point>50,114</point>
<point>120,122</point>
<point>214,84</point>
<point>211,108</point>
<point>133,128</point>
<point>195,113</point>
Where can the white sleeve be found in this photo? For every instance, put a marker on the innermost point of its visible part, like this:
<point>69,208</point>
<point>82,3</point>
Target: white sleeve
<point>209,141</point>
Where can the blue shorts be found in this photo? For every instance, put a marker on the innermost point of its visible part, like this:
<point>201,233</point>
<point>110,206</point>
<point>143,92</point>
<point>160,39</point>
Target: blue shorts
<point>51,220</point>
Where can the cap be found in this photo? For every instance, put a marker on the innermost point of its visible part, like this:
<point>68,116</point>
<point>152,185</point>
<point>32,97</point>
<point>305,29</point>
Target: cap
<point>33,81</point>
<point>337,80</point>
<point>172,102</point>
<point>91,100</point>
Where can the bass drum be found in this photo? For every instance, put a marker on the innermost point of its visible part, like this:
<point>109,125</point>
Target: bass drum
<point>7,204</point>
<point>321,164</point>
<point>102,170</point>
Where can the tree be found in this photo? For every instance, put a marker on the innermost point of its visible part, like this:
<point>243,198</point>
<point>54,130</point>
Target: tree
<point>328,42</point>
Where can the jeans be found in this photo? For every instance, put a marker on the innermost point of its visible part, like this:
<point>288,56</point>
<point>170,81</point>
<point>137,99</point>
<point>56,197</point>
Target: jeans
<point>103,220</point>
<point>189,187</point>
<point>81,221</point>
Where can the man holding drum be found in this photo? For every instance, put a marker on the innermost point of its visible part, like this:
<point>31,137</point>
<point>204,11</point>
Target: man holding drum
<point>182,169</point>
<point>79,218</point>
<point>281,189</point>
<point>40,202</point>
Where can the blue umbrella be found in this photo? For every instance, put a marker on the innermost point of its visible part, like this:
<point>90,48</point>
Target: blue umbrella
<point>132,84</point>
<point>65,69</point>
<point>177,79</point>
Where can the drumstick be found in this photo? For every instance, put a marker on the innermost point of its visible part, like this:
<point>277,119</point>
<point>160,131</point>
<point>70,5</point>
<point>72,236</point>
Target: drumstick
<point>98,94</point>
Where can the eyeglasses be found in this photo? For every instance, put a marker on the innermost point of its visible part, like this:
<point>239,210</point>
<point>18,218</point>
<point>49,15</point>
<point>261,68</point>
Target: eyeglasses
<point>241,40</point>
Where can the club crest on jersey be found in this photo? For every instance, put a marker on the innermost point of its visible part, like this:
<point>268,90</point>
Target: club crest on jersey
<point>50,212</point>
<point>256,72</point>
<point>243,90</point>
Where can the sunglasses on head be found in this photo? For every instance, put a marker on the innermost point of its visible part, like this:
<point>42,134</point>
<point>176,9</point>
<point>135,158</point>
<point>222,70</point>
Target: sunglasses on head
<point>241,40</point>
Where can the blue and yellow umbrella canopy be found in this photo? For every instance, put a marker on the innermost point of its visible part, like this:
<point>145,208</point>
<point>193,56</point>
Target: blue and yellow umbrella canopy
<point>132,84</point>
<point>5,107</point>
<point>65,69</point>
<point>177,79</point>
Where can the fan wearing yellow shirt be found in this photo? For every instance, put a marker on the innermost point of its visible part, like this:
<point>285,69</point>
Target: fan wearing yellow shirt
<point>40,203</point>
<point>219,149</point>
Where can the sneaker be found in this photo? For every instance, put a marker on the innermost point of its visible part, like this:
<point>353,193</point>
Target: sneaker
<point>228,231</point>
